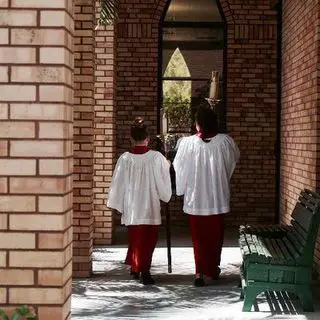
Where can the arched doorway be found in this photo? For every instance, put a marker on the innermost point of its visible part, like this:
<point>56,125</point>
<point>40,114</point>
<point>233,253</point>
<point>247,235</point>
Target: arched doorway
<point>250,59</point>
<point>249,88</point>
<point>192,35</point>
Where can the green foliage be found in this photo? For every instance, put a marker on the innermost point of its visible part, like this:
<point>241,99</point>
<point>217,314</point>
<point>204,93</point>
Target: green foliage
<point>109,11</point>
<point>177,94</point>
<point>21,313</point>
<point>177,90</point>
<point>178,113</point>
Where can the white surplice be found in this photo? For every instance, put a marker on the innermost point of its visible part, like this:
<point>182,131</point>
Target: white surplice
<point>203,173</point>
<point>138,184</point>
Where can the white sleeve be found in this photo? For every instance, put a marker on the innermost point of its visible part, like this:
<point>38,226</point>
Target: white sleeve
<point>231,156</point>
<point>117,188</point>
<point>162,178</point>
<point>181,166</point>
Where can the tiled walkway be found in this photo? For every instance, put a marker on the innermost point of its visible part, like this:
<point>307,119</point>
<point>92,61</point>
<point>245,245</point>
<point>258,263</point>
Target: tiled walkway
<point>112,295</point>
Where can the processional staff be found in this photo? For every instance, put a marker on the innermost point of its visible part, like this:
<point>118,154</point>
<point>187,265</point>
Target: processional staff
<point>167,146</point>
<point>167,208</point>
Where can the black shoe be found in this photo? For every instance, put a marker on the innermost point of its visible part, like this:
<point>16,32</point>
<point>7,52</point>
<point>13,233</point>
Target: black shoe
<point>135,275</point>
<point>217,274</point>
<point>199,282</point>
<point>146,278</point>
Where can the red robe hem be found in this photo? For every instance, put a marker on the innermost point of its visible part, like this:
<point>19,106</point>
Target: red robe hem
<point>142,242</point>
<point>207,236</point>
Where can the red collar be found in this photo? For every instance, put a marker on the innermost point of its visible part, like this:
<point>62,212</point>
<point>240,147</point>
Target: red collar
<point>204,136</point>
<point>139,149</point>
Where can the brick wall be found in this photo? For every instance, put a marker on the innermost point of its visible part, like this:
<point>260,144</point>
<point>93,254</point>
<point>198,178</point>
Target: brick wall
<point>251,108</point>
<point>299,116</point>
<point>83,137</point>
<point>251,92</point>
<point>36,67</point>
<point>137,54</point>
<point>104,128</point>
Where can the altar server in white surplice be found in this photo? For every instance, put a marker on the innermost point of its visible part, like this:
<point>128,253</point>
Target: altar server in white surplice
<point>141,179</point>
<point>204,164</point>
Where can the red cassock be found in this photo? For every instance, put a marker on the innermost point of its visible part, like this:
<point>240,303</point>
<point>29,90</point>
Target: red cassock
<point>142,242</point>
<point>142,239</point>
<point>207,237</point>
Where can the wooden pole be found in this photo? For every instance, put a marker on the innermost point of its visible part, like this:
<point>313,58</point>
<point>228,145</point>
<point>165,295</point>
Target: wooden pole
<point>168,216</point>
<point>168,227</point>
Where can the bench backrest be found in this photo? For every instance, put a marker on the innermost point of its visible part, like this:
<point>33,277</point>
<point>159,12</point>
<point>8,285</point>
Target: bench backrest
<point>305,222</point>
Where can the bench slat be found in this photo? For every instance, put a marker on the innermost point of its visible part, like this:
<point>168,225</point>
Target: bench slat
<point>294,251</point>
<point>271,249</point>
<point>289,258</point>
<point>244,245</point>
<point>266,252</point>
<point>302,215</point>
<point>299,231</point>
<point>280,258</point>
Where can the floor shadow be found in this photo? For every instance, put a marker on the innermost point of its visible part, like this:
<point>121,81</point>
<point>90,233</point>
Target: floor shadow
<point>119,298</point>
<point>112,294</point>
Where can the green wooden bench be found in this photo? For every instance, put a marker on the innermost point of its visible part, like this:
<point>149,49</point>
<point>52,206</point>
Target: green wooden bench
<point>280,258</point>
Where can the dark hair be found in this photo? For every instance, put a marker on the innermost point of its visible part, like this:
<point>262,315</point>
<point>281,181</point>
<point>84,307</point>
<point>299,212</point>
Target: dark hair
<point>207,118</point>
<point>139,130</point>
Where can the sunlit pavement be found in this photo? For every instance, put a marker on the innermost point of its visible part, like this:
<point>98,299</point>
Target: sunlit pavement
<point>112,294</point>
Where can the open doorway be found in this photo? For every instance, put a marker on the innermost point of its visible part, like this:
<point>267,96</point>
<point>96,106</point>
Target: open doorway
<point>192,45</point>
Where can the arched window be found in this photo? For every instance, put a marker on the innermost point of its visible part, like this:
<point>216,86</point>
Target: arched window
<point>177,93</point>
<point>177,66</point>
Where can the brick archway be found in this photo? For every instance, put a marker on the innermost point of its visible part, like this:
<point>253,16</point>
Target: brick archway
<point>136,50</point>
<point>251,92</point>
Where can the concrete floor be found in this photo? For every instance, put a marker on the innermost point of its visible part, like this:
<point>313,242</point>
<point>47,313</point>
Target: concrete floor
<point>112,295</point>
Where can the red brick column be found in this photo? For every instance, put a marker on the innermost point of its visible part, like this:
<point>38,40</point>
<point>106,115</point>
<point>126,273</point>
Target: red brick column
<point>36,39</point>
<point>83,137</point>
<point>104,130</point>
